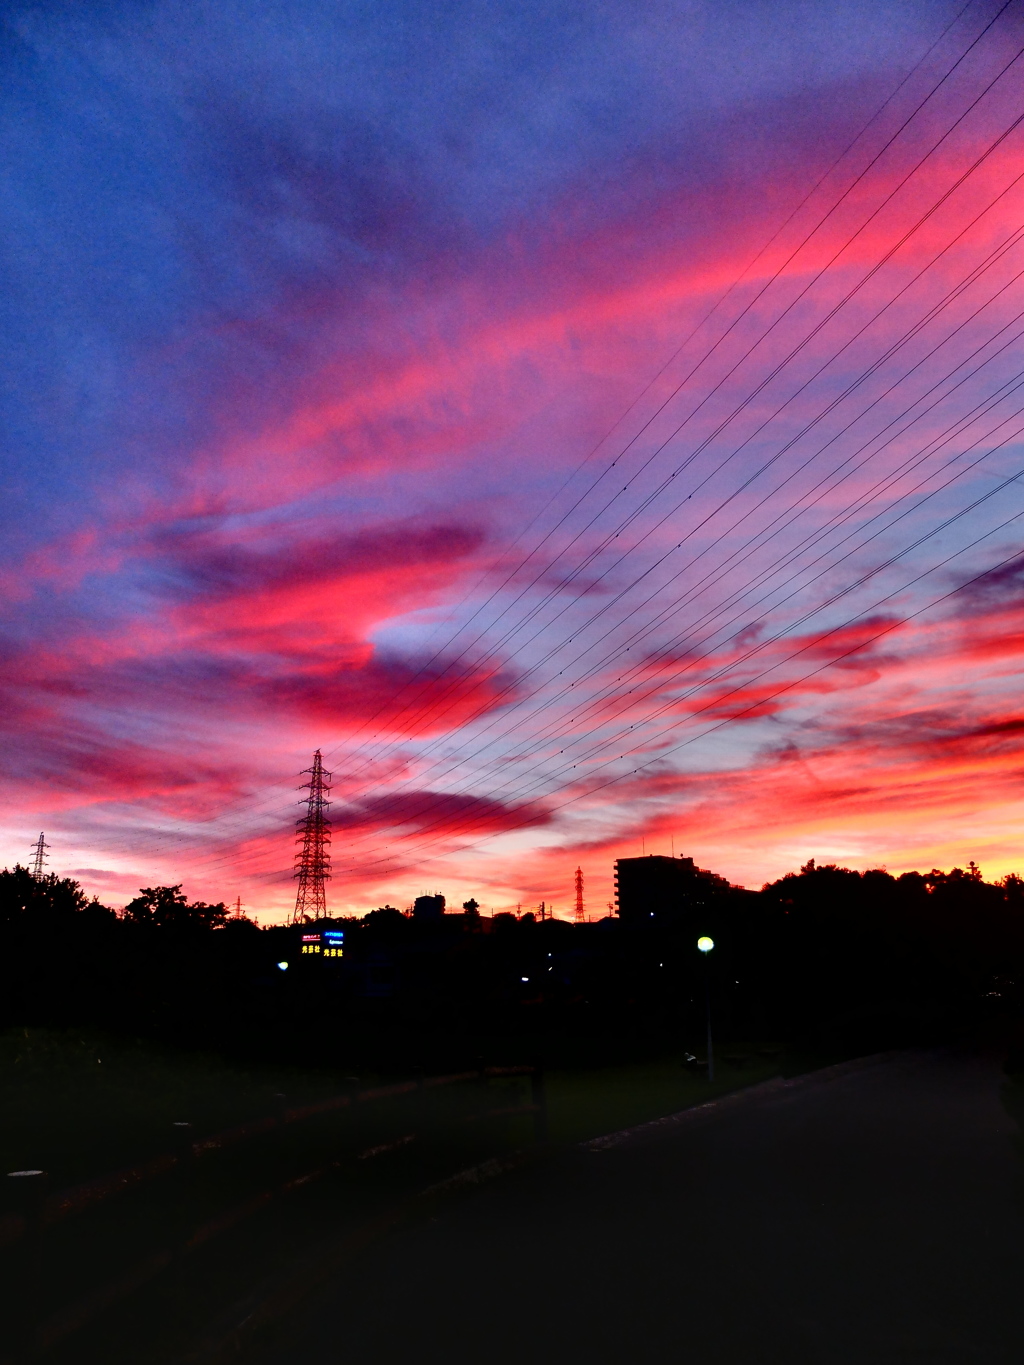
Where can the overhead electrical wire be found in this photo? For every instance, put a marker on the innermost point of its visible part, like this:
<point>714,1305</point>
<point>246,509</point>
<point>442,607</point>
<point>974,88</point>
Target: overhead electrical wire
<point>735,623</point>
<point>945,135</point>
<point>818,275</point>
<point>820,606</point>
<point>793,683</point>
<point>613,534</point>
<point>719,698</point>
<point>1002,421</point>
<point>952,23</point>
<point>969,416</point>
<point>761,701</point>
<point>894,347</point>
<point>582,759</point>
<point>817,418</point>
<point>876,569</point>
<point>845,625</point>
<point>494,595</point>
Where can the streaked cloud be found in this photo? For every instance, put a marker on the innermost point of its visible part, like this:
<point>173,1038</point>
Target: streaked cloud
<point>356,401</point>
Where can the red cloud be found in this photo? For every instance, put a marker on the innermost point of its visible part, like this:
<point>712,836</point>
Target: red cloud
<point>440,812</point>
<point>226,638</point>
<point>400,696</point>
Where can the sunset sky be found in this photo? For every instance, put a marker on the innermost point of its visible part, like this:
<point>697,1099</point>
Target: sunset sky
<point>598,427</point>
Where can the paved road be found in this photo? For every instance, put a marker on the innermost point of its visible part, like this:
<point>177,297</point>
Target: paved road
<point>873,1219</point>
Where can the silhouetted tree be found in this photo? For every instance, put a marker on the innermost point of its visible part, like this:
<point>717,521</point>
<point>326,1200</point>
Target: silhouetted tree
<point>44,899</point>
<point>167,908</point>
<point>385,923</point>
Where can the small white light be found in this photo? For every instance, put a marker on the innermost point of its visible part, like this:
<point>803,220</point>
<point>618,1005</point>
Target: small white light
<point>705,944</point>
<point>524,978</point>
<point>282,966</point>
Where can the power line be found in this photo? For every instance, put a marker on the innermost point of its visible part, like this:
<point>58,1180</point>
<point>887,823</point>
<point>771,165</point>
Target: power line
<point>780,365</point>
<point>707,316</point>
<point>1000,12</point>
<point>763,700</point>
<point>1002,422</point>
<point>954,293</point>
<point>786,311</point>
<point>845,625</point>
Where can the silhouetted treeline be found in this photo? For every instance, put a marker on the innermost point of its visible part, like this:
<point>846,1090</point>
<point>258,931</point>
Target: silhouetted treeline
<point>828,957</point>
<point>165,965</point>
<point>891,954</point>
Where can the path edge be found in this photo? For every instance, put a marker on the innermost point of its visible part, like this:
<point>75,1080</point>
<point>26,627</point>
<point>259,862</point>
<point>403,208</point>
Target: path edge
<point>238,1329</point>
<point>745,1094</point>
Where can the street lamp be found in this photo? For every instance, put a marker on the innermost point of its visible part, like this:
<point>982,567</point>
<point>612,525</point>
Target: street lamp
<point>705,945</point>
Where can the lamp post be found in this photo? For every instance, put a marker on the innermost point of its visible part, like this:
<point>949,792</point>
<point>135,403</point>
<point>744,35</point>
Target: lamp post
<point>705,945</point>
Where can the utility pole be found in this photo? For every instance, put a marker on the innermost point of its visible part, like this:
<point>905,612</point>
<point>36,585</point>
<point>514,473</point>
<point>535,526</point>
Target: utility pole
<point>705,945</point>
<point>579,916</point>
<point>313,860</point>
<point>238,907</point>
<point>39,851</point>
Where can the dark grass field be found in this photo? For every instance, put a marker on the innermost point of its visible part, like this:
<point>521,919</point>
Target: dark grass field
<point>139,1275</point>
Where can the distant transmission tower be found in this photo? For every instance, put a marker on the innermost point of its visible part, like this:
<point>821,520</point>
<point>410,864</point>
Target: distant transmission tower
<point>39,848</point>
<point>313,860</point>
<point>579,895</point>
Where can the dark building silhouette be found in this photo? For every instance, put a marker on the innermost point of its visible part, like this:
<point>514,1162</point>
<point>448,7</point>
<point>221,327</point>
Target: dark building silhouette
<point>663,890</point>
<point>428,907</point>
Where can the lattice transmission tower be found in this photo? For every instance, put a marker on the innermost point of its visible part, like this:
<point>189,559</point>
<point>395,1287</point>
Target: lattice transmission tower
<point>579,916</point>
<point>39,856</point>
<point>313,859</point>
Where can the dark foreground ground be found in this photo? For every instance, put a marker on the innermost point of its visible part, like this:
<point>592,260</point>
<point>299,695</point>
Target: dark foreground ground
<point>872,1219</point>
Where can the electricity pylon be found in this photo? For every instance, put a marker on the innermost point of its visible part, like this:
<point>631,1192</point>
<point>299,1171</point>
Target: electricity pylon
<point>579,917</point>
<point>39,849</point>
<point>313,859</point>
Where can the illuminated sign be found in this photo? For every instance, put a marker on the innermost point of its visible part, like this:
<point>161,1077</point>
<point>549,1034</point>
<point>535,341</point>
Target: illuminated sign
<point>328,944</point>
